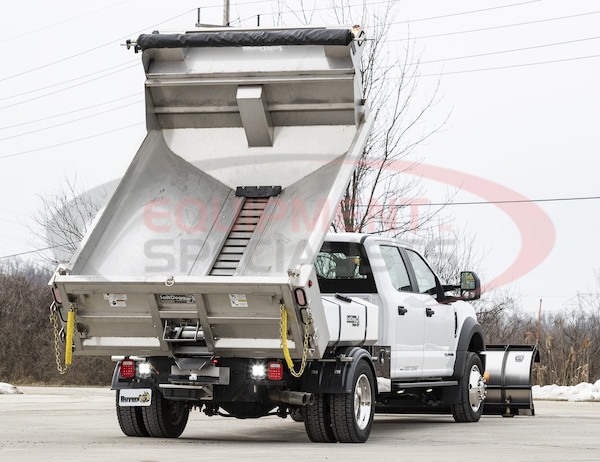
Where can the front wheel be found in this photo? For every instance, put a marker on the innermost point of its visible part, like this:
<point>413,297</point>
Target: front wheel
<point>352,414</point>
<point>165,418</point>
<point>471,391</point>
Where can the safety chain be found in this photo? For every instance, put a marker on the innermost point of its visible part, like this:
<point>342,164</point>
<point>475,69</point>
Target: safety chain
<point>54,320</point>
<point>283,337</point>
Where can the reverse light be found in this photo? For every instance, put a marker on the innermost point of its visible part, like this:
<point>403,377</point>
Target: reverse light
<point>144,370</point>
<point>300,296</point>
<point>127,368</point>
<point>275,370</point>
<point>258,371</point>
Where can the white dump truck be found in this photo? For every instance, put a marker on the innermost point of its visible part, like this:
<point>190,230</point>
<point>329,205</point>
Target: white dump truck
<point>210,276</point>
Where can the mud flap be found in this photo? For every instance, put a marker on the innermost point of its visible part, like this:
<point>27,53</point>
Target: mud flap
<point>509,371</point>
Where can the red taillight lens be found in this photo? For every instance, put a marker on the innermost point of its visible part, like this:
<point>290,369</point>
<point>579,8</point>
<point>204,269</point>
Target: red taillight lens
<point>56,295</point>
<point>275,371</point>
<point>300,297</point>
<point>127,369</point>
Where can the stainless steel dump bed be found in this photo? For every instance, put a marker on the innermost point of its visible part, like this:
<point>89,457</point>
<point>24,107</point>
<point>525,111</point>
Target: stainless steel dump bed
<point>252,138</point>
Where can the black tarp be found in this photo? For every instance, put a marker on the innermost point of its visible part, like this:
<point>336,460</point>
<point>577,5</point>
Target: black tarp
<point>246,39</point>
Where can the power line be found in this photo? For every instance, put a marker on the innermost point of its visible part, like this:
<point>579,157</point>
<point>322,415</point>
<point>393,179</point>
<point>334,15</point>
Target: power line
<point>410,21</point>
<point>384,2</point>
<point>49,26</point>
<point>31,251</point>
<point>466,71</point>
<point>6,127</point>
<point>69,142</point>
<point>556,199</point>
<point>537,21</point>
<point>43,66</point>
<point>68,81</point>
<point>505,51</point>
<point>71,121</point>
<point>69,87</point>
<point>517,201</point>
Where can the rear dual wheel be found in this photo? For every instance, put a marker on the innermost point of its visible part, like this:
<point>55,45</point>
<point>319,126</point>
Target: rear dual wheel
<point>352,414</point>
<point>162,419</point>
<point>165,418</point>
<point>131,420</point>
<point>343,417</point>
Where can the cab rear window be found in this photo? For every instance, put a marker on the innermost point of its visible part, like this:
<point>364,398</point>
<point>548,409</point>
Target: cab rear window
<point>344,267</point>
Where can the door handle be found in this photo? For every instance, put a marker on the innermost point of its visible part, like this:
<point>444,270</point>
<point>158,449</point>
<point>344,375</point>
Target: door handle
<point>402,311</point>
<point>429,312</point>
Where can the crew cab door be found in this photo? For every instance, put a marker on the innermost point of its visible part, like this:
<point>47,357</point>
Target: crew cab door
<point>406,315</point>
<point>440,322</point>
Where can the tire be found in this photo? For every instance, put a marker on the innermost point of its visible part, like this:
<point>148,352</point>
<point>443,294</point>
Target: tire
<point>352,413</point>
<point>165,418</point>
<point>317,420</point>
<point>131,420</point>
<point>471,391</point>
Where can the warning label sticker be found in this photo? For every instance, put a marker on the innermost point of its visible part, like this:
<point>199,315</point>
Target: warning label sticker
<point>116,300</point>
<point>238,300</point>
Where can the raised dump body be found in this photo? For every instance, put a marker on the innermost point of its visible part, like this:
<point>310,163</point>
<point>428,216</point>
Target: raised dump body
<point>252,138</point>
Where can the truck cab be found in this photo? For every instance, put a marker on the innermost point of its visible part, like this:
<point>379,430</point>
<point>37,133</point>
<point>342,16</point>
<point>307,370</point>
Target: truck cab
<point>417,319</point>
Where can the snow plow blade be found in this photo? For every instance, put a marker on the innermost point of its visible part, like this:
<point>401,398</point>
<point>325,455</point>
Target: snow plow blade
<point>509,370</point>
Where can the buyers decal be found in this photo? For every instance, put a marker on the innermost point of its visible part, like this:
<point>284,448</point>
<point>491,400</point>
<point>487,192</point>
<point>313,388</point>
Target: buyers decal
<point>137,397</point>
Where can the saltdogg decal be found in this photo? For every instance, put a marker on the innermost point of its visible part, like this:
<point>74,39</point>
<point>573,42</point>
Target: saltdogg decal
<point>177,298</point>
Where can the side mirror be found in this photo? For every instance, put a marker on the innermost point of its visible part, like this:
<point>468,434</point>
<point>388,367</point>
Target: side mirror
<point>470,287</point>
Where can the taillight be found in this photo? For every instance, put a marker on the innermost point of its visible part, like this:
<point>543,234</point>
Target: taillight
<point>275,370</point>
<point>300,297</point>
<point>127,368</point>
<point>56,295</point>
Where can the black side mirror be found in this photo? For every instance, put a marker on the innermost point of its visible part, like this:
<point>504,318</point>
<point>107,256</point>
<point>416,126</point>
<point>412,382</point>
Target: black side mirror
<point>470,286</point>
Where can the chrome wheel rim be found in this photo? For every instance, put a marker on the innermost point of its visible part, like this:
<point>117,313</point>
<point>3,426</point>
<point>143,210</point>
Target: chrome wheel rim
<point>476,388</point>
<point>362,402</point>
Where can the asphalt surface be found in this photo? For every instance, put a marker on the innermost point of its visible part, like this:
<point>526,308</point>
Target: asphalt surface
<point>79,424</point>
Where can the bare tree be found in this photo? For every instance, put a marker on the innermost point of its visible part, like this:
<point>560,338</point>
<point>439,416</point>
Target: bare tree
<point>63,219</point>
<point>27,349</point>
<point>379,195</point>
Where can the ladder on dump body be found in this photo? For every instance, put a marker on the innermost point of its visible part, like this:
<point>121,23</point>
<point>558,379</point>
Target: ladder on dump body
<point>235,245</point>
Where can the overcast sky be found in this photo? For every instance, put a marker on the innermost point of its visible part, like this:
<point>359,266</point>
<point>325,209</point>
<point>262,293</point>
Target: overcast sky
<point>523,114</point>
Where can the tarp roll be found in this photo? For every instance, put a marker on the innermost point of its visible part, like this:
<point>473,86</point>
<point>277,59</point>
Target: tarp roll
<point>246,39</point>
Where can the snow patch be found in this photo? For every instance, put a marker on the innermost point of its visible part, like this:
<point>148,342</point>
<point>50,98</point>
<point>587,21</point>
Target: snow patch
<point>581,392</point>
<point>7,389</point>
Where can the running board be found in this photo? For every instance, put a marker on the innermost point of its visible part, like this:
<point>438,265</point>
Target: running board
<point>404,385</point>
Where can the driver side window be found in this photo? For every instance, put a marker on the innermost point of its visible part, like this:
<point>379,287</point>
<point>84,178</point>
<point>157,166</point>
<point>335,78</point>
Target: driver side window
<point>426,280</point>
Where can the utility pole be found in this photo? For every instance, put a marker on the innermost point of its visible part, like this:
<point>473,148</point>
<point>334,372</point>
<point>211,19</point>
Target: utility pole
<point>226,12</point>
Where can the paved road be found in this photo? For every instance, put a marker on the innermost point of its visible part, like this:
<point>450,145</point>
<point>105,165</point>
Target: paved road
<point>79,424</point>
